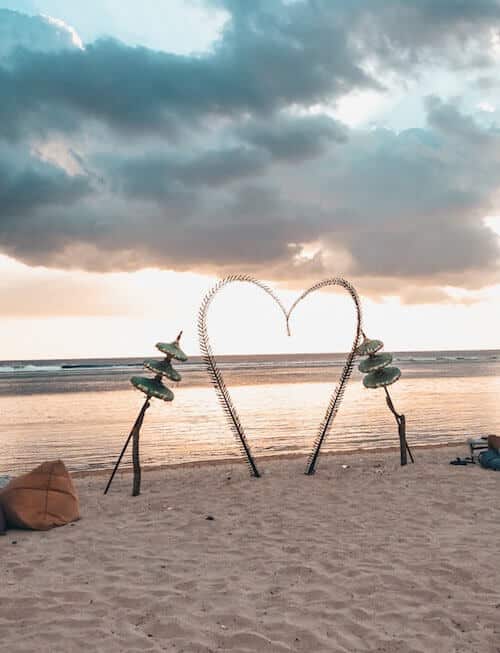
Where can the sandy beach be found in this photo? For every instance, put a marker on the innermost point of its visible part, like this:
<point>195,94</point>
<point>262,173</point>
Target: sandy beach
<point>373,557</point>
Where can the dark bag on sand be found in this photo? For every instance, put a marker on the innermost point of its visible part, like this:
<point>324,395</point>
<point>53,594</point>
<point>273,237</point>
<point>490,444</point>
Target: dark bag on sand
<point>494,442</point>
<point>3,525</point>
<point>490,459</point>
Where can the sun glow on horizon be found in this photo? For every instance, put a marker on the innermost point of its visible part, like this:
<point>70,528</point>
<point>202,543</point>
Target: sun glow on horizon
<point>72,314</point>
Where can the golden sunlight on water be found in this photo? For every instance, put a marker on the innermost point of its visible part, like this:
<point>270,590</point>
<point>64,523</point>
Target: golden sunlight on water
<point>87,429</point>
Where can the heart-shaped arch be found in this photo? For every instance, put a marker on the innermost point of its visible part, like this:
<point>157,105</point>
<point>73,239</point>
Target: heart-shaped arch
<point>217,377</point>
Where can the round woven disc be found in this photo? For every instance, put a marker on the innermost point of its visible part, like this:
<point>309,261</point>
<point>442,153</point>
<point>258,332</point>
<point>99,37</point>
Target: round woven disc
<point>375,362</point>
<point>152,387</point>
<point>369,346</point>
<point>381,378</point>
<point>172,349</point>
<point>164,368</point>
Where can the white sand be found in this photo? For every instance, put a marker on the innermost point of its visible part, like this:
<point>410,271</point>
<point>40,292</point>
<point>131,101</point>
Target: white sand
<point>372,558</point>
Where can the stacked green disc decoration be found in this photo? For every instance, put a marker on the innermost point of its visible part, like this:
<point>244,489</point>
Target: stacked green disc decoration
<point>380,374</point>
<point>151,387</point>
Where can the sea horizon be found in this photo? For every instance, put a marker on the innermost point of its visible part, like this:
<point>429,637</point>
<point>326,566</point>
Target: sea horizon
<point>197,357</point>
<point>81,409</point>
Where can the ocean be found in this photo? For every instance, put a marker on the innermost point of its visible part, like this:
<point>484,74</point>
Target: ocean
<point>82,410</point>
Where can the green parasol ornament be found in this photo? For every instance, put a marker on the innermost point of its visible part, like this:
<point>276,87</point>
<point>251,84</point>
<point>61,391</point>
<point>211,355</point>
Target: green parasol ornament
<point>172,349</point>
<point>151,388</point>
<point>379,374</point>
<point>163,367</point>
<point>375,362</point>
<point>369,346</point>
<point>382,377</point>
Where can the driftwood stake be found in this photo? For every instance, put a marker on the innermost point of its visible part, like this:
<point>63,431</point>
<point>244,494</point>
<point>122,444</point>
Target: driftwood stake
<point>136,427</point>
<point>136,487</point>
<point>401,422</point>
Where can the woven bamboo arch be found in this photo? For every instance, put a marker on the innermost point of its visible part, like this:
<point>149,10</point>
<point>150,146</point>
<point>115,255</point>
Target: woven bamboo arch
<point>217,378</point>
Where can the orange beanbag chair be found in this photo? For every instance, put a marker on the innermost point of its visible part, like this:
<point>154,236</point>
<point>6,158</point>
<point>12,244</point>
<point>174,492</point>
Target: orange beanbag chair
<point>41,499</point>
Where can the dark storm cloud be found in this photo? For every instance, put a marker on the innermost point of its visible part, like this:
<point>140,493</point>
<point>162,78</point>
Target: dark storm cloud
<point>27,189</point>
<point>402,208</point>
<point>447,119</point>
<point>424,249</point>
<point>158,177</point>
<point>290,139</point>
<point>270,55</point>
<point>398,33</point>
<point>257,66</point>
<point>294,138</point>
<point>224,165</point>
<point>32,32</point>
<point>405,33</point>
<point>410,205</point>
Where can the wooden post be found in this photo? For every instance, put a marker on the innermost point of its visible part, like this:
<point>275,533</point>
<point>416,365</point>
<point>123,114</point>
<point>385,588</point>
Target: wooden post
<point>401,422</point>
<point>402,439</point>
<point>137,425</point>
<point>136,486</point>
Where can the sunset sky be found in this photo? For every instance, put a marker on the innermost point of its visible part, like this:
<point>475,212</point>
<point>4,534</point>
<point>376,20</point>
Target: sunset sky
<point>149,148</point>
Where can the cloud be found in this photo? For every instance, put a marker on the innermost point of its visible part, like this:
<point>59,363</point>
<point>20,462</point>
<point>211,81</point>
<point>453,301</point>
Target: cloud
<point>393,209</point>
<point>292,138</point>
<point>405,34</point>
<point>164,177</point>
<point>61,297</point>
<point>33,33</point>
<point>253,147</point>
<point>425,295</point>
<point>118,158</point>
<point>253,68</point>
<point>34,185</point>
<point>270,56</point>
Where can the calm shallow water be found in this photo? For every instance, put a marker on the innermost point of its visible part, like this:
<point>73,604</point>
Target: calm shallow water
<point>83,414</point>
